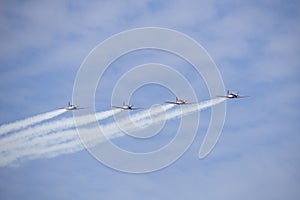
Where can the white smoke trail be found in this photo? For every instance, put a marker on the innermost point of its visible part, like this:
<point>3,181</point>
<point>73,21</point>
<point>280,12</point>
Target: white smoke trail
<point>35,142</point>
<point>42,147</point>
<point>45,128</point>
<point>39,133</point>
<point>190,109</point>
<point>67,141</point>
<point>112,130</point>
<point>17,125</point>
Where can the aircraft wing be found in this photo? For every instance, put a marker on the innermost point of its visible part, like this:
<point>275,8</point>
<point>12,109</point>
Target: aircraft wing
<point>80,108</point>
<point>136,108</point>
<point>190,102</point>
<point>223,96</point>
<point>118,107</point>
<point>242,96</point>
<point>171,102</point>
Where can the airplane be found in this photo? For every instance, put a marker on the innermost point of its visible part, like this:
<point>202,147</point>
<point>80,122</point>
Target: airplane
<point>179,102</point>
<point>232,95</point>
<point>71,107</point>
<point>126,107</point>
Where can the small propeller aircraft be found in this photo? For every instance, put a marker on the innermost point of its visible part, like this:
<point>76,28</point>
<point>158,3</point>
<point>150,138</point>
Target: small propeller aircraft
<point>232,95</point>
<point>126,107</point>
<point>179,102</point>
<point>71,107</point>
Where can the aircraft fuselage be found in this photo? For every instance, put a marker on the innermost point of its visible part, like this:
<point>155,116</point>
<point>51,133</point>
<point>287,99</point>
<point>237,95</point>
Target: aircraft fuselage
<point>71,107</point>
<point>232,95</point>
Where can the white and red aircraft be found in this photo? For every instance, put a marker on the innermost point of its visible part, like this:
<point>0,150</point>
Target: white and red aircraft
<point>72,107</point>
<point>179,102</point>
<point>232,95</point>
<point>127,107</point>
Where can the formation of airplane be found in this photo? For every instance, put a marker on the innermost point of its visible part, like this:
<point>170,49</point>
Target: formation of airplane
<point>232,95</point>
<point>126,107</point>
<point>179,102</point>
<point>71,107</point>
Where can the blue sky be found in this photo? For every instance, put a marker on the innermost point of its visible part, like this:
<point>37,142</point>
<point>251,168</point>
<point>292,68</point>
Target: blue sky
<point>255,45</point>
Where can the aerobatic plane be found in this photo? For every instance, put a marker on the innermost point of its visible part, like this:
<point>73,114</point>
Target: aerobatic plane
<point>232,95</point>
<point>179,102</point>
<point>126,107</point>
<point>71,107</point>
